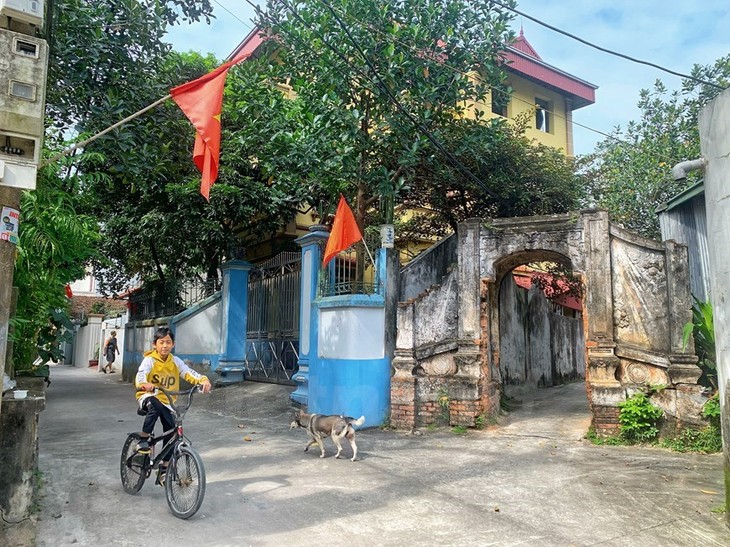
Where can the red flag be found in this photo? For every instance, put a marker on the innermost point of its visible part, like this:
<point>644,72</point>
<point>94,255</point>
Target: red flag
<point>344,231</point>
<point>201,101</point>
<point>69,292</point>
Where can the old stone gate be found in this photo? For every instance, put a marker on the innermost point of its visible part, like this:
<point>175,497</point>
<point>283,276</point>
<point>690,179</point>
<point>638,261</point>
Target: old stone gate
<point>636,302</point>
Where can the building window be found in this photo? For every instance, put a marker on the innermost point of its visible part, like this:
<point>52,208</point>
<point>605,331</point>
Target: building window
<point>25,48</point>
<point>500,100</point>
<point>543,121</point>
<point>22,90</point>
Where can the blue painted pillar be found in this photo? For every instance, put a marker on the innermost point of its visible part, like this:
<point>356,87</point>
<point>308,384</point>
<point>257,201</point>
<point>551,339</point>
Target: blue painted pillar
<point>234,307</point>
<point>311,245</point>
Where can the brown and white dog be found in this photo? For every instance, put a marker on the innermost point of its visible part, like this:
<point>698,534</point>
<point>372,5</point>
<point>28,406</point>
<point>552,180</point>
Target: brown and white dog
<point>320,427</point>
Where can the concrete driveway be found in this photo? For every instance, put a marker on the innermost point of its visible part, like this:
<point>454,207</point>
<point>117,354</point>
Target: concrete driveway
<point>532,481</point>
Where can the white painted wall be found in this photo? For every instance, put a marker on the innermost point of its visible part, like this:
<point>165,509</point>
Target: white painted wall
<point>351,333</point>
<point>715,140</point>
<point>200,333</point>
<point>88,342</point>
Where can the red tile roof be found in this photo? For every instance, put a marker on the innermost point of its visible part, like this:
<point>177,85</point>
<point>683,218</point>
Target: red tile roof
<point>522,59</point>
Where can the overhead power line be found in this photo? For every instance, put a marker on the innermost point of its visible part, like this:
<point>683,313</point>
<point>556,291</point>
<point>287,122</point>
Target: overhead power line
<point>606,50</point>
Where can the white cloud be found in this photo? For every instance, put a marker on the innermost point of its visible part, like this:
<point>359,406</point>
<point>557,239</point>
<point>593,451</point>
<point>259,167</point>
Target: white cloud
<point>675,34</point>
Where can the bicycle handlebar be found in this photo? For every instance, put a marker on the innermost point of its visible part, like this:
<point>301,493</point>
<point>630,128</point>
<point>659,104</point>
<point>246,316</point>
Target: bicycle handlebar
<point>171,394</point>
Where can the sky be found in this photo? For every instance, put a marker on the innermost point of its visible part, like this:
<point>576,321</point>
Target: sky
<point>675,34</point>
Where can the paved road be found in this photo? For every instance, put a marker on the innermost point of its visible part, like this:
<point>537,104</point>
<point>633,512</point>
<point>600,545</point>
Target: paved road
<point>533,481</point>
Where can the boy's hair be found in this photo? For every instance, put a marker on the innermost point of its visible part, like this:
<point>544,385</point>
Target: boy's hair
<point>113,333</point>
<point>162,332</point>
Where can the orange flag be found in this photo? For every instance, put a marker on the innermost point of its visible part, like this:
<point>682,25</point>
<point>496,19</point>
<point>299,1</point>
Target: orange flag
<point>344,231</point>
<point>201,101</point>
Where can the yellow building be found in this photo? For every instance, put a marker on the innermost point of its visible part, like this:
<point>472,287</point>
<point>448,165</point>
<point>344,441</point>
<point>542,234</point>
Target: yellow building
<point>548,94</point>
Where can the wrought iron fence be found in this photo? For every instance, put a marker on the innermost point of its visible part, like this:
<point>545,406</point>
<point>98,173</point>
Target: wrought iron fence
<point>174,296</point>
<point>353,272</point>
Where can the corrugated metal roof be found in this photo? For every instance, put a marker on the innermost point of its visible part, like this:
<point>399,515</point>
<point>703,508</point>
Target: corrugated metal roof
<point>691,192</point>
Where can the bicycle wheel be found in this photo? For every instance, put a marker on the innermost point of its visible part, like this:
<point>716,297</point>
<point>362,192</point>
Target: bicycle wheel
<point>185,483</point>
<point>133,466</point>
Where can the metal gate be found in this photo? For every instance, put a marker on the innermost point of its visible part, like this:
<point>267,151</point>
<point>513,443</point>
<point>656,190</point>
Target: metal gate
<point>272,337</point>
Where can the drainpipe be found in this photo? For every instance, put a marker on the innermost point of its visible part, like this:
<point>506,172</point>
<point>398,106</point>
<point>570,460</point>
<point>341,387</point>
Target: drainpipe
<point>681,170</point>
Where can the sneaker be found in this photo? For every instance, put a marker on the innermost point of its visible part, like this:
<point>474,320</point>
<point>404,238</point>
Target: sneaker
<point>161,475</point>
<point>143,446</point>
<point>112,371</point>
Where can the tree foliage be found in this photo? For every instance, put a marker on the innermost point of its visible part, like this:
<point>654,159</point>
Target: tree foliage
<point>516,177</point>
<point>629,173</point>
<point>373,75</point>
<point>54,244</point>
<point>100,53</point>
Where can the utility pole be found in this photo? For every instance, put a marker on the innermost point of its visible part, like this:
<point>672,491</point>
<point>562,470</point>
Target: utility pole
<point>24,63</point>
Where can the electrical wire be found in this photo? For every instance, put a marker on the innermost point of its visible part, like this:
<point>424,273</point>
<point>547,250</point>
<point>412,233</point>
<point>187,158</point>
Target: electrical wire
<point>244,23</point>
<point>606,50</point>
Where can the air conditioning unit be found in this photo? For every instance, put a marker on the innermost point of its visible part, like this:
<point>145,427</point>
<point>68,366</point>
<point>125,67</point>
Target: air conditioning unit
<point>27,11</point>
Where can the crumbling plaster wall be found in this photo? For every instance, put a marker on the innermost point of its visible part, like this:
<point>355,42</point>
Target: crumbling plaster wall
<point>636,303</point>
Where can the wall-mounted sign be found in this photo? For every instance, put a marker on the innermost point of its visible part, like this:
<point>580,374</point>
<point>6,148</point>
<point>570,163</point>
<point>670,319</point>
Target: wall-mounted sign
<point>9,220</point>
<point>387,236</point>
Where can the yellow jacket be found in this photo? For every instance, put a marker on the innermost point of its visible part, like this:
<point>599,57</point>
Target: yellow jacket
<point>164,373</point>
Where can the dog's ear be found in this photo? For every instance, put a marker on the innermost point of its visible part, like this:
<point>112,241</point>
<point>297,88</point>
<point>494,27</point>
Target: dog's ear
<point>297,415</point>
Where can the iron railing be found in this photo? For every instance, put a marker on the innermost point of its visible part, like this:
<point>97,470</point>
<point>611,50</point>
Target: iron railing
<point>169,298</point>
<point>353,272</point>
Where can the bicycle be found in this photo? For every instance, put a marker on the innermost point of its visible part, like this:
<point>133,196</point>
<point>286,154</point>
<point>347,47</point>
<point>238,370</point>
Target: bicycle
<point>184,481</point>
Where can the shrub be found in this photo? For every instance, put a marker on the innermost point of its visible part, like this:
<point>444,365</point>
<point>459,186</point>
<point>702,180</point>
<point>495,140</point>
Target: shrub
<point>702,329</point>
<point>638,419</point>
<point>711,410</point>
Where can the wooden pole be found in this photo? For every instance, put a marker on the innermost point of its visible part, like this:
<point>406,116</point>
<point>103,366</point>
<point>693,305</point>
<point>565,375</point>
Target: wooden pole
<point>83,143</point>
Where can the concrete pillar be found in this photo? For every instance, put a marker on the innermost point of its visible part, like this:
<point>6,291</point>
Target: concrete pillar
<point>19,447</point>
<point>715,141</point>
<point>601,362</point>
<point>468,260</point>
<point>403,382</point>
<point>234,308</point>
<point>312,245</point>
<point>9,197</point>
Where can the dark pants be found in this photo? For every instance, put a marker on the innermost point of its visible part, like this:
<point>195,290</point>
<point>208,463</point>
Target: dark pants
<point>155,409</point>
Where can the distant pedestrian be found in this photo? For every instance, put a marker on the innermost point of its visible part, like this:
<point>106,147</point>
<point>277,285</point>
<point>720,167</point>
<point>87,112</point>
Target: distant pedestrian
<point>111,349</point>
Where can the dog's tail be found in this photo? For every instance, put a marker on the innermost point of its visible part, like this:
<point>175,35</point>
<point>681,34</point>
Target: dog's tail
<point>358,422</point>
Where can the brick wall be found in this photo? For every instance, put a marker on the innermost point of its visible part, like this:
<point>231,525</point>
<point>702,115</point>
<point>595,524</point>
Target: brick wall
<point>605,420</point>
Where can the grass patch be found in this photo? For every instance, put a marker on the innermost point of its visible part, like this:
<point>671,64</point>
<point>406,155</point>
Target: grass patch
<point>459,429</point>
<point>704,441</point>
<point>603,441</point>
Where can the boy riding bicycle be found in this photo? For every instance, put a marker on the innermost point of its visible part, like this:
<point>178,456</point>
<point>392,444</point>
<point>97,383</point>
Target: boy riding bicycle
<point>160,368</point>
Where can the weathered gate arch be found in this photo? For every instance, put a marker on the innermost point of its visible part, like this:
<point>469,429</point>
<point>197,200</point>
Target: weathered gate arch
<point>635,306</point>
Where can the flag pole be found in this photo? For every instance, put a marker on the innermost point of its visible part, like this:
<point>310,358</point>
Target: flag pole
<point>368,251</point>
<point>81,144</point>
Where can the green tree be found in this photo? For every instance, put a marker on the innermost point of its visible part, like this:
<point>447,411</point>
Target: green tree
<point>156,226</point>
<point>516,177</point>
<point>55,243</point>
<point>349,63</point>
<point>154,223</point>
<point>98,51</point>
<point>629,173</point>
